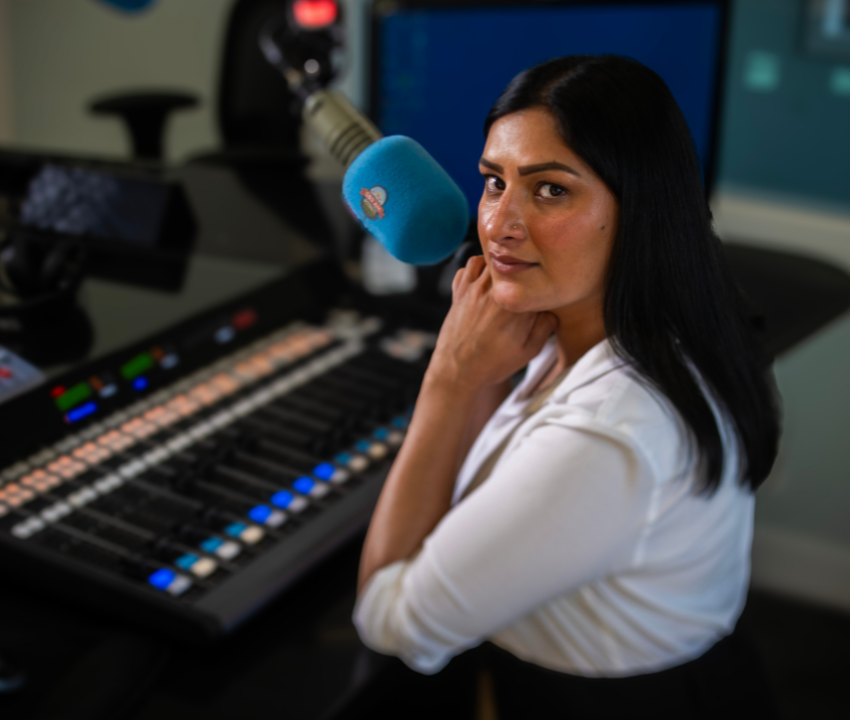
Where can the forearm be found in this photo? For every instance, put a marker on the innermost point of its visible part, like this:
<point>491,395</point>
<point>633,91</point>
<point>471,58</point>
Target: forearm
<point>486,403</point>
<point>418,490</point>
<point>479,347</point>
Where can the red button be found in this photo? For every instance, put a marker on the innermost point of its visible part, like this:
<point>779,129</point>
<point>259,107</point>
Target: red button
<point>5,373</point>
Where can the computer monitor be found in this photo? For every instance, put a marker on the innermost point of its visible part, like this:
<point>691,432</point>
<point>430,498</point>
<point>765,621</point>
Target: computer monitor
<point>438,66</point>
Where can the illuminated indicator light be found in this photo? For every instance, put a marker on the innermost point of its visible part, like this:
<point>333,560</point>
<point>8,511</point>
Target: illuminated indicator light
<point>73,396</point>
<point>57,391</point>
<point>157,354</point>
<point>400,422</point>
<point>260,513</point>
<point>363,446</point>
<point>282,499</point>
<point>137,366</point>
<point>304,485</point>
<point>161,579</point>
<point>81,412</point>
<point>204,567</point>
<point>224,334</point>
<point>96,383</point>
<point>244,319</point>
<point>140,383</point>
<point>324,471</point>
<point>228,550</point>
<point>186,561</point>
<point>380,434</point>
<point>343,458</point>
<point>169,361</point>
<point>108,391</point>
<point>252,535</point>
<point>235,529</point>
<point>314,14</point>
<point>340,476</point>
<point>211,544</point>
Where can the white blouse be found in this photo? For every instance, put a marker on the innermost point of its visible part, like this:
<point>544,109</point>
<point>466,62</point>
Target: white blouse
<point>586,550</point>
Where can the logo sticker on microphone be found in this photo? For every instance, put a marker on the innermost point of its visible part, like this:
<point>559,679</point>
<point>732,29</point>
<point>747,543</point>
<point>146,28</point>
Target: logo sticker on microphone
<point>373,202</point>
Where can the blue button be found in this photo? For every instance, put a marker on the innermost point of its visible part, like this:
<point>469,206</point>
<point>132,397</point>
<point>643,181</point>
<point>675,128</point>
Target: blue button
<point>81,412</point>
<point>260,513</point>
<point>235,529</point>
<point>324,471</point>
<point>282,498</point>
<point>343,458</point>
<point>161,579</point>
<point>381,434</point>
<point>211,544</point>
<point>186,561</point>
<point>140,383</point>
<point>362,446</point>
<point>304,485</point>
<point>399,422</point>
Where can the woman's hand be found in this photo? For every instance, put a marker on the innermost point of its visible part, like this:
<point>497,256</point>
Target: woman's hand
<point>480,343</point>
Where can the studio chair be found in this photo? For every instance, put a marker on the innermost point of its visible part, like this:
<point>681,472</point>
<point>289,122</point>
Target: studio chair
<point>254,108</point>
<point>145,115</point>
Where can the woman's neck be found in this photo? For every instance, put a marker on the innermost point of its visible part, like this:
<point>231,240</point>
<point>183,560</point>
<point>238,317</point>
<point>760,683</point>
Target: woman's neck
<point>579,329</point>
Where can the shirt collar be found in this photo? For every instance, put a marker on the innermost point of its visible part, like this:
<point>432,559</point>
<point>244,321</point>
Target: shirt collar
<point>596,362</point>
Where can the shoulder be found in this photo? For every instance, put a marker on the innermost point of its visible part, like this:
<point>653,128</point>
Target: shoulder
<point>605,395</point>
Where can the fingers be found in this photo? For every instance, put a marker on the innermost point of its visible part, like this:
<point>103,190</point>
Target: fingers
<point>544,325</point>
<point>457,280</point>
<point>476,265</point>
<point>473,271</point>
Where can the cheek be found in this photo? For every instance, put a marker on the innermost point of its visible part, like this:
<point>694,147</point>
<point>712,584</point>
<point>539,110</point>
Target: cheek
<point>485,212</point>
<point>577,252</point>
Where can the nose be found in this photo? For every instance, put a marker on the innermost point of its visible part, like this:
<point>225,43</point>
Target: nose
<point>502,221</point>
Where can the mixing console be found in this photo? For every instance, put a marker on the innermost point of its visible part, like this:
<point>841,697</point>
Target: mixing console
<point>200,502</point>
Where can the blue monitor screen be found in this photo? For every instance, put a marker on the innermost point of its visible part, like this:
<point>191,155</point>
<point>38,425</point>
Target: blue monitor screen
<point>439,70</point>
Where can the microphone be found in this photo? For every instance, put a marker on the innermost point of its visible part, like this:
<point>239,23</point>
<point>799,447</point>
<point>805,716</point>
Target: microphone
<point>392,185</point>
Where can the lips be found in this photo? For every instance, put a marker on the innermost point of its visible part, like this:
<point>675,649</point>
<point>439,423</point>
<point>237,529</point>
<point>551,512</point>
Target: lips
<point>509,265</point>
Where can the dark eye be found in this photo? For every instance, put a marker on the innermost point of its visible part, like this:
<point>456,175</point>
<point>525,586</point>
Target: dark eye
<point>550,190</point>
<point>493,183</point>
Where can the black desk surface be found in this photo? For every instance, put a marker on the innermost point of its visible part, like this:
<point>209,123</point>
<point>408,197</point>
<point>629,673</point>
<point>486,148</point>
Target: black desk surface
<point>300,658</point>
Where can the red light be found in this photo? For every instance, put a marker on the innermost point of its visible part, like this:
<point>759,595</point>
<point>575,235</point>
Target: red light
<point>244,319</point>
<point>57,391</point>
<point>314,14</point>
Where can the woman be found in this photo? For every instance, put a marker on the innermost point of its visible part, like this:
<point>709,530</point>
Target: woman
<point>598,528</point>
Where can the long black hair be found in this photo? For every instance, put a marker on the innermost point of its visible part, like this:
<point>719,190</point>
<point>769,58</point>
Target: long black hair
<point>670,298</point>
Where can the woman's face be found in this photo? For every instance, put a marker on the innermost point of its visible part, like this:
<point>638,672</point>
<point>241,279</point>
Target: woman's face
<point>546,220</point>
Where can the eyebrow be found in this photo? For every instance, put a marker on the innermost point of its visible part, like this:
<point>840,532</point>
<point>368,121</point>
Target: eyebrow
<point>531,169</point>
<point>554,165</point>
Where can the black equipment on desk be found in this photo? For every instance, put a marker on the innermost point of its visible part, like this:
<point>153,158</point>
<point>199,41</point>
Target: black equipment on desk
<point>187,479</point>
<point>38,280</point>
<point>134,224</point>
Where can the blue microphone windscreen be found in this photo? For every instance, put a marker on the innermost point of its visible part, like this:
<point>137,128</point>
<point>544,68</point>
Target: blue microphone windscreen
<point>406,200</point>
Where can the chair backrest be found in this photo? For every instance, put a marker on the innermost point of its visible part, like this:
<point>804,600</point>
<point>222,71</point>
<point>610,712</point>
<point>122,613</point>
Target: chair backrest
<point>255,107</point>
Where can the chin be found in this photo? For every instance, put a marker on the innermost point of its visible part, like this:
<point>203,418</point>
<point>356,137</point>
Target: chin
<point>514,298</point>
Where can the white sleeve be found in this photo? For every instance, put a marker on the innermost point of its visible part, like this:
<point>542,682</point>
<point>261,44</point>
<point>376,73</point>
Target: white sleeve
<point>566,506</point>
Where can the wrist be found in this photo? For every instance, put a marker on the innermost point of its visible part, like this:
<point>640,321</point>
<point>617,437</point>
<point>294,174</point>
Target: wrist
<point>452,385</point>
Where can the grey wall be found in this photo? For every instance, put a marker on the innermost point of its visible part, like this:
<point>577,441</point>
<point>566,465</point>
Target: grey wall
<point>62,53</point>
